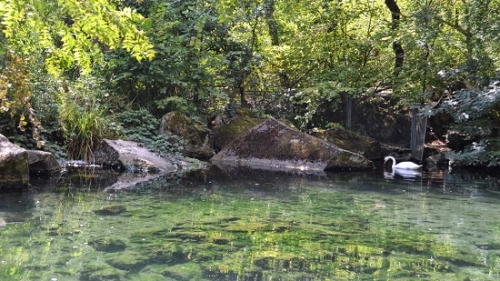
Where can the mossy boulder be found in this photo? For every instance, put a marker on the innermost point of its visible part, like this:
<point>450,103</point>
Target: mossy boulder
<point>351,141</point>
<point>226,133</point>
<point>275,145</point>
<point>14,169</point>
<point>196,138</point>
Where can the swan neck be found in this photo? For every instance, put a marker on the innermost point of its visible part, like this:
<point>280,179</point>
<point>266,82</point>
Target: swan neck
<point>393,162</point>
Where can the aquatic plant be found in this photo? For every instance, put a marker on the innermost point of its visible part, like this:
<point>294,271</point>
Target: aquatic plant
<point>240,231</point>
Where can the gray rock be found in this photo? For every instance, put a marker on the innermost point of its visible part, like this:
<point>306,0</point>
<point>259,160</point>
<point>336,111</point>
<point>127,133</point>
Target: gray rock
<point>196,138</point>
<point>41,162</point>
<point>130,156</point>
<point>225,133</point>
<point>14,170</point>
<point>435,161</point>
<point>274,144</point>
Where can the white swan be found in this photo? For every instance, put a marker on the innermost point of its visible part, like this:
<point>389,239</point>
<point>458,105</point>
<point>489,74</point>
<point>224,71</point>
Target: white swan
<point>404,173</point>
<point>403,165</point>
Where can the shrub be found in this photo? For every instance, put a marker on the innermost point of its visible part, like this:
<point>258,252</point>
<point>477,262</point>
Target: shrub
<point>142,127</point>
<point>466,105</point>
<point>85,117</point>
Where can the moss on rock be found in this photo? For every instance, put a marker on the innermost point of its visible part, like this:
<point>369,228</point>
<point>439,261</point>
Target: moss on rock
<point>275,145</point>
<point>14,169</point>
<point>225,134</point>
<point>196,138</point>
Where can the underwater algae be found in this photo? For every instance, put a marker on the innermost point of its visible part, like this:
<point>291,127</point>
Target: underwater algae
<point>232,234</point>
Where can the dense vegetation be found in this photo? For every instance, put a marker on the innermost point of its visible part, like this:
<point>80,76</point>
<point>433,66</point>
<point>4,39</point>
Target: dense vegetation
<point>69,67</point>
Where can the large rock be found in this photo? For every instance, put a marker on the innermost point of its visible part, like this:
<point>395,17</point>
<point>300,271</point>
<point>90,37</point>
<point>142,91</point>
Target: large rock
<point>196,139</point>
<point>130,156</point>
<point>351,141</point>
<point>274,144</point>
<point>224,134</point>
<point>14,171</point>
<point>42,163</point>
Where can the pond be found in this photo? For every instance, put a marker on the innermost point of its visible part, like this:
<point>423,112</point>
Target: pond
<point>256,225</point>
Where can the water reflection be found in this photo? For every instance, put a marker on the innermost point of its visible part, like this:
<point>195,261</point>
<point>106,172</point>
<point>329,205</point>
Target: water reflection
<point>257,225</point>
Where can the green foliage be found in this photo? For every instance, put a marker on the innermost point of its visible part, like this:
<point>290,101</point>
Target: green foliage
<point>85,117</point>
<point>467,105</point>
<point>195,58</point>
<point>15,94</point>
<point>485,153</point>
<point>176,103</point>
<point>43,38</point>
<point>323,49</point>
<point>292,59</point>
<point>349,44</point>
<point>72,32</point>
<point>142,127</point>
<point>44,101</point>
<point>314,103</point>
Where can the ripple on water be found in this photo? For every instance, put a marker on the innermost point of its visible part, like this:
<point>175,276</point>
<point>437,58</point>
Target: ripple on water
<point>343,227</point>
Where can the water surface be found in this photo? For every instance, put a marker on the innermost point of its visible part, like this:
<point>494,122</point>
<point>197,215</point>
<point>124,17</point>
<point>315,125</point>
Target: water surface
<point>256,225</point>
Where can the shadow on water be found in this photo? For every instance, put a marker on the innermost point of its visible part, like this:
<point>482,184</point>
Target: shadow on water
<point>251,224</point>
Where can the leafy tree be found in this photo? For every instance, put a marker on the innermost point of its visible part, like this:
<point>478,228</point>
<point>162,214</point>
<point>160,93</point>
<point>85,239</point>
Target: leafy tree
<point>15,93</point>
<point>195,59</point>
<point>64,35</point>
<point>71,33</point>
<point>444,42</point>
<point>330,49</point>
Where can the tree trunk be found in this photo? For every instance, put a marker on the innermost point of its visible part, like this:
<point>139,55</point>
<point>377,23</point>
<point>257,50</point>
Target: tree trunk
<point>396,46</point>
<point>272,25</point>
<point>243,99</point>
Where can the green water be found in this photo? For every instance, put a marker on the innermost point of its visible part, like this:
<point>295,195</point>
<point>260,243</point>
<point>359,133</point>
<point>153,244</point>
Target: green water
<point>254,225</point>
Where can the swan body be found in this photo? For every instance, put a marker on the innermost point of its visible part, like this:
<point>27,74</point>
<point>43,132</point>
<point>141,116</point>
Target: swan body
<point>402,165</point>
<point>404,173</point>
